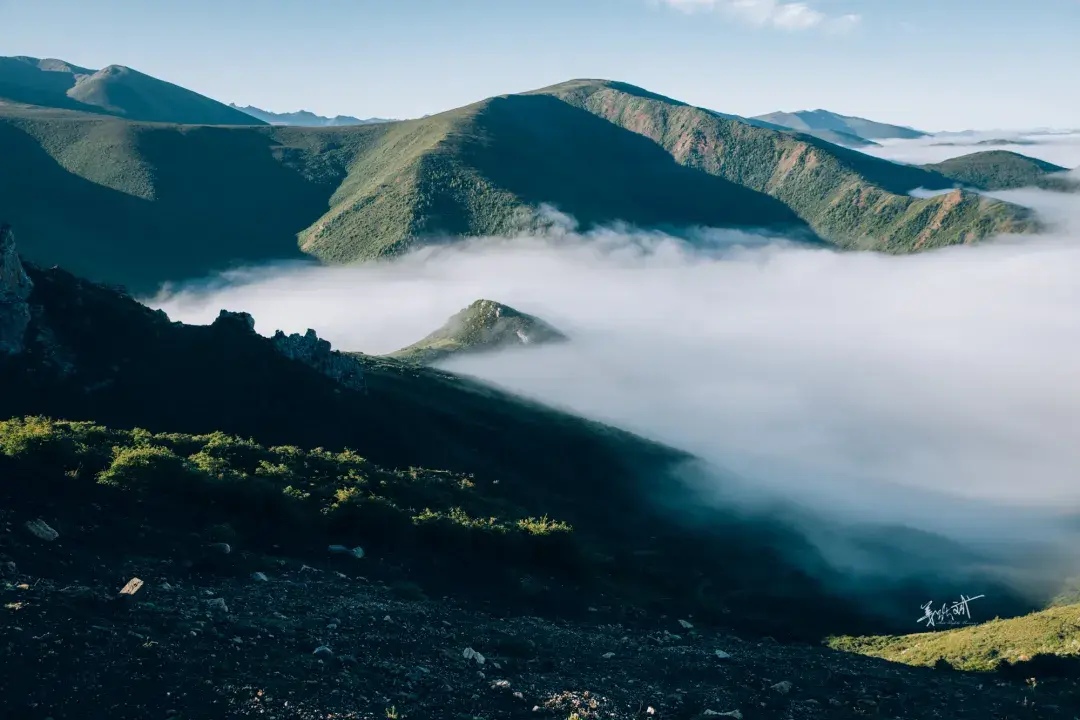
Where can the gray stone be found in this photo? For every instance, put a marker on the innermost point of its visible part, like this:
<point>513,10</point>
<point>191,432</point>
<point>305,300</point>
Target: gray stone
<point>40,529</point>
<point>217,605</point>
<point>323,652</point>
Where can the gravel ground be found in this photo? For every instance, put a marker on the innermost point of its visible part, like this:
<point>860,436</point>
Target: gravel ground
<point>311,642</point>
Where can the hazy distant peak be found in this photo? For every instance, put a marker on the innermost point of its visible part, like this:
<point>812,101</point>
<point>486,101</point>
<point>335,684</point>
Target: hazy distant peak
<point>305,118</point>
<point>821,121</point>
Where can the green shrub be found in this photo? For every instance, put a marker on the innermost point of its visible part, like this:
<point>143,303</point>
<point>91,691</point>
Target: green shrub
<point>250,488</point>
<point>49,443</point>
<point>146,468</point>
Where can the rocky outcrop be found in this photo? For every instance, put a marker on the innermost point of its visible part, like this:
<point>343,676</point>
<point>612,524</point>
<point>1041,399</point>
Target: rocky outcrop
<point>316,353</point>
<point>241,320</point>
<point>308,348</point>
<point>15,288</point>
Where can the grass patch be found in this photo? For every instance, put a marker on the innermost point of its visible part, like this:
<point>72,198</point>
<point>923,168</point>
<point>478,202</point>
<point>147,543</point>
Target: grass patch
<point>987,646</point>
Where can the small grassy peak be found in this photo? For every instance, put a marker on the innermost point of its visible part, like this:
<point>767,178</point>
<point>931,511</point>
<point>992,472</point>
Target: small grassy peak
<point>483,326</point>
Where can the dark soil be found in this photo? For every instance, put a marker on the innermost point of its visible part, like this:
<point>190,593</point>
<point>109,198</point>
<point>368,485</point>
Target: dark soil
<point>71,648</point>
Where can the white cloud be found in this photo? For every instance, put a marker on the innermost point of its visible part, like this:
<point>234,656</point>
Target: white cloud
<point>770,13</point>
<point>1060,148</point>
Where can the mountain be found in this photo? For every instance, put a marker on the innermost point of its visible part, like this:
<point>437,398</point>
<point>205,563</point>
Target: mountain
<point>303,118</point>
<point>114,90</point>
<point>840,128</point>
<point>847,197</point>
<point>1003,170</point>
<point>140,204</point>
<point>483,326</point>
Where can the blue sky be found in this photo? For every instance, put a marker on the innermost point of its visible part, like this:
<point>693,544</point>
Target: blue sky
<point>935,64</point>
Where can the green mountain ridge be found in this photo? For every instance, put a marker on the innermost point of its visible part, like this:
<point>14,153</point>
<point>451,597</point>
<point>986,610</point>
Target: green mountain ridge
<point>484,326</point>
<point>140,204</point>
<point>848,198</point>
<point>1004,170</point>
<point>114,90</point>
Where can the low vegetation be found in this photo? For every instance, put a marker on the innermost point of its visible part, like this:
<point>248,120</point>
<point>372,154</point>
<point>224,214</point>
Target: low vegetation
<point>303,489</point>
<point>992,645</point>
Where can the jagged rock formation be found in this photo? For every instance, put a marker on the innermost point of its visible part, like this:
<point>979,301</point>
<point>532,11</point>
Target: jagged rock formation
<point>15,289</point>
<point>317,353</point>
<point>485,325</point>
<point>308,348</point>
<point>239,319</point>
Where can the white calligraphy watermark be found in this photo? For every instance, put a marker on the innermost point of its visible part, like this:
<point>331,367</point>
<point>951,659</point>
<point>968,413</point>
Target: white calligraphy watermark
<point>950,613</point>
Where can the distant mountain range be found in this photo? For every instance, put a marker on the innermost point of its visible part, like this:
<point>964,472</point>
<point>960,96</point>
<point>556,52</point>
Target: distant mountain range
<point>114,90</point>
<point>143,203</point>
<point>840,129</point>
<point>303,118</point>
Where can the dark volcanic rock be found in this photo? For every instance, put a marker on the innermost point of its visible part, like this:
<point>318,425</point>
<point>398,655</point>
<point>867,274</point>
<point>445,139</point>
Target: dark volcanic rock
<point>15,288</point>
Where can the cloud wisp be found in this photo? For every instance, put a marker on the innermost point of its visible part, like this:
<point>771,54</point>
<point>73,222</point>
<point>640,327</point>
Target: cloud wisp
<point>770,13</point>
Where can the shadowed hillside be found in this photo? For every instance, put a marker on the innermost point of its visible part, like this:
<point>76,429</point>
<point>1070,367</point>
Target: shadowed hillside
<point>114,90</point>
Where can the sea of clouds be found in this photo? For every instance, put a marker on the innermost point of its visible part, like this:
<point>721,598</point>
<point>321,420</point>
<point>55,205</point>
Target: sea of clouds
<point>937,390</point>
<point>1058,147</point>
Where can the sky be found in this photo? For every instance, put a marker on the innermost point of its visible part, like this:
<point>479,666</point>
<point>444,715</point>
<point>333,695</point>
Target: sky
<point>932,64</point>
